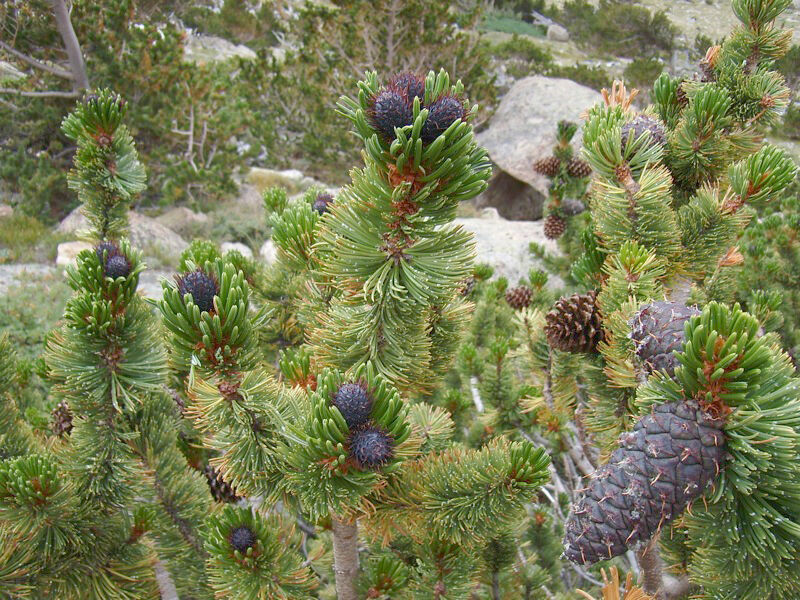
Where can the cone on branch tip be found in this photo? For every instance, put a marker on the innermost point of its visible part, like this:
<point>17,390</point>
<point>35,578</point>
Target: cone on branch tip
<point>441,114</point>
<point>657,331</point>
<point>201,286</point>
<point>548,167</point>
<point>519,297</point>
<point>575,324</point>
<point>663,464</point>
<point>117,266</point>
<point>371,447</point>
<point>642,124</point>
<point>390,109</point>
<point>410,85</point>
<point>554,226</point>
<point>242,538</point>
<point>393,107</point>
<point>354,403</point>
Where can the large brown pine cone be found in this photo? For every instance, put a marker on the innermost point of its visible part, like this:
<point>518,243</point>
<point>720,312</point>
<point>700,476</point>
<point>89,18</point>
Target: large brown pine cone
<point>547,166</point>
<point>554,226</point>
<point>667,461</point>
<point>519,297</point>
<point>574,324</point>
<point>657,331</point>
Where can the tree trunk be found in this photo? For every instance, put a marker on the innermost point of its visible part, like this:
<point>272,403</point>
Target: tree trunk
<point>345,557</point>
<point>651,569</point>
<point>80,80</point>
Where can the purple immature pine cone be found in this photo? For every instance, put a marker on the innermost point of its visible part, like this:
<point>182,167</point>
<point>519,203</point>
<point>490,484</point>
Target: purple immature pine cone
<point>633,130</point>
<point>321,202</point>
<point>410,85</point>
<point>354,402</point>
<point>657,332</point>
<point>117,266</point>
<point>242,538</point>
<point>663,464</point>
<point>371,447</point>
<point>441,114</point>
<point>390,109</point>
<point>201,286</point>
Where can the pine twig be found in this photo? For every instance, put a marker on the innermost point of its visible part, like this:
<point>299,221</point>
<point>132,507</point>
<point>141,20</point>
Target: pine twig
<point>652,569</point>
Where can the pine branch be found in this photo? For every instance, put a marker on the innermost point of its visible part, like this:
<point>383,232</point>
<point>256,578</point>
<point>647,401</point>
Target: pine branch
<point>53,70</point>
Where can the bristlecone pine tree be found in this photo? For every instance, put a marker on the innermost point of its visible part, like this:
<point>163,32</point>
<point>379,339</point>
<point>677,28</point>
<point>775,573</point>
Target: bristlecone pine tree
<point>342,439</point>
<point>687,419</point>
<point>93,513</point>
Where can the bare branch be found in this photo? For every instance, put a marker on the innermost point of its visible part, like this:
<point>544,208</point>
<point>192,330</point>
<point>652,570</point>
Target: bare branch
<point>47,94</point>
<point>80,80</point>
<point>57,71</point>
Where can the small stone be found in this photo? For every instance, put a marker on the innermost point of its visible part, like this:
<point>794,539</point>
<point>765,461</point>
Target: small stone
<point>557,33</point>
<point>68,251</point>
<point>238,247</point>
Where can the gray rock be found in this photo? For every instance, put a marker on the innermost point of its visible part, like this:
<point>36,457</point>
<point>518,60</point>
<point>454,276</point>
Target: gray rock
<point>523,130</point>
<point>150,282</point>
<point>268,253</point>
<point>5,211</point>
<point>293,180</point>
<point>202,49</point>
<point>557,33</point>
<point>516,199</point>
<point>145,233</point>
<point>238,247</point>
<point>505,245</point>
<point>67,251</point>
<point>183,221</point>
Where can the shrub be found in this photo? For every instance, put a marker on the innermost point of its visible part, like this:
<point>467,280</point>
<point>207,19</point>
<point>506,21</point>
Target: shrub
<point>642,72</point>
<point>594,77</point>
<point>618,28</point>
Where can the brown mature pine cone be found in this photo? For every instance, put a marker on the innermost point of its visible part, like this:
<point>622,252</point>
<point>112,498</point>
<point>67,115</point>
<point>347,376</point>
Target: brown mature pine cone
<point>467,286</point>
<point>665,462</point>
<point>657,331</point>
<point>554,226</point>
<point>578,167</point>
<point>61,419</point>
<point>547,166</point>
<point>519,297</point>
<point>220,489</point>
<point>574,324</point>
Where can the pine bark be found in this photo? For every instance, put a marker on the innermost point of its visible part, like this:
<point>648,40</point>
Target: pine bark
<point>345,557</point>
